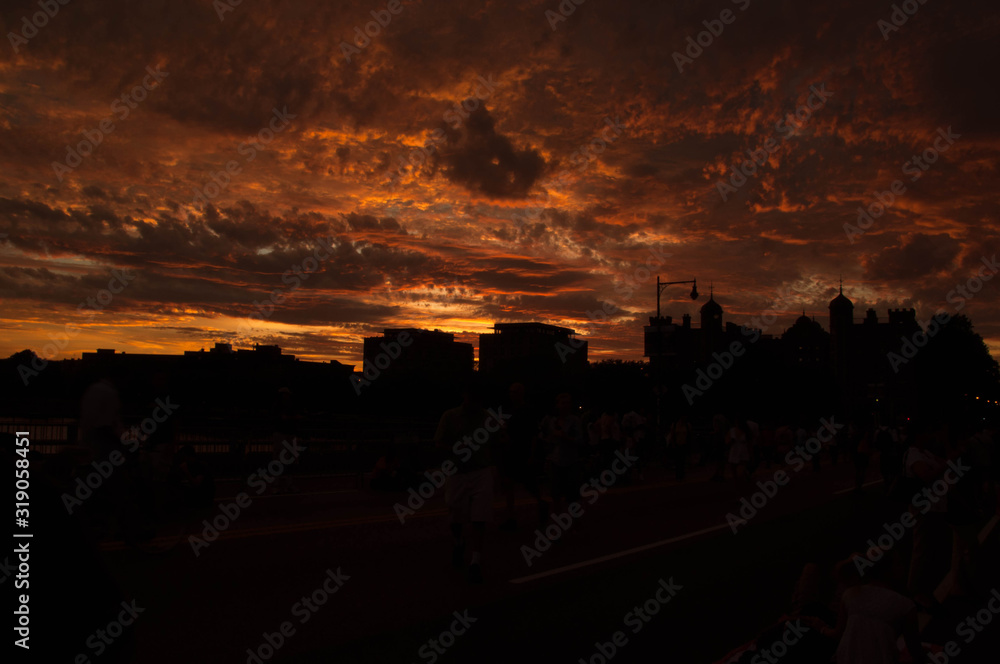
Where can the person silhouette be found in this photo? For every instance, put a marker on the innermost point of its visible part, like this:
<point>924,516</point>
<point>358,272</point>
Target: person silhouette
<point>563,434</point>
<point>519,438</point>
<point>284,429</point>
<point>680,441</point>
<point>469,431</point>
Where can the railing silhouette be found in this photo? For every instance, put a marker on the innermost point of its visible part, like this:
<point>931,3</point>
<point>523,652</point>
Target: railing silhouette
<point>234,448</point>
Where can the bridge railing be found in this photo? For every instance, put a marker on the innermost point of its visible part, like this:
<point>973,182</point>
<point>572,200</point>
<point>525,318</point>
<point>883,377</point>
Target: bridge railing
<point>236,448</point>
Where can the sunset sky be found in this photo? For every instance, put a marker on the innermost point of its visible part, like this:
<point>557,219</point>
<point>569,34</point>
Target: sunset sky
<point>440,246</point>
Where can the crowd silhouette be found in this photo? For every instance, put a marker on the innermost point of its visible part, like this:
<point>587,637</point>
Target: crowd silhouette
<point>884,600</point>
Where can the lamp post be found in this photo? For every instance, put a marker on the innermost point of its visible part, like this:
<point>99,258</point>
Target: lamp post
<point>660,285</point>
<point>659,389</point>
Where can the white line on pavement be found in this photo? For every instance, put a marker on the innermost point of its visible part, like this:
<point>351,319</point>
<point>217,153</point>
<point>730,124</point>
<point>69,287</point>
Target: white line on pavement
<point>612,556</point>
<point>837,493</point>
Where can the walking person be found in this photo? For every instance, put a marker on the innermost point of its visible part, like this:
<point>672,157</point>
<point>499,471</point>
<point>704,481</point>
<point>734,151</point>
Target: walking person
<point>469,491</point>
<point>680,436</point>
<point>563,434</point>
<point>739,450</point>
<point>519,456</point>
<point>717,440</point>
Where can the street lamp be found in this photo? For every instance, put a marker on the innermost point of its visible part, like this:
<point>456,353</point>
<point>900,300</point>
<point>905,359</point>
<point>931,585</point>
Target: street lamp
<point>660,285</point>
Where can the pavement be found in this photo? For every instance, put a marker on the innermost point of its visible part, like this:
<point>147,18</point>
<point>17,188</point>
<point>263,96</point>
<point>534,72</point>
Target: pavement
<point>330,574</point>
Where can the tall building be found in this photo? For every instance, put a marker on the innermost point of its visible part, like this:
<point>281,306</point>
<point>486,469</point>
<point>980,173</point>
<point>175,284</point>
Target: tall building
<point>412,351</point>
<point>841,326</point>
<point>531,347</point>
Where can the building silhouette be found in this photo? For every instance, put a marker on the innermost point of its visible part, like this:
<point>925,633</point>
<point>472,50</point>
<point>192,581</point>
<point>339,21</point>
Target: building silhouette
<point>214,382</point>
<point>674,349</point>
<point>420,352</point>
<point>849,362</point>
<point>534,348</point>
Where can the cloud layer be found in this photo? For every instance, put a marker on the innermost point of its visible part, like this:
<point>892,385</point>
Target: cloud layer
<point>444,243</point>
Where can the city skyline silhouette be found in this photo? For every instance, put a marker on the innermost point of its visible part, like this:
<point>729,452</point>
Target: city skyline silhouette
<point>521,331</point>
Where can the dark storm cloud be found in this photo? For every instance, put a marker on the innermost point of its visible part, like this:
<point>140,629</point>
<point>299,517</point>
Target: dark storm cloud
<point>916,255</point>
<point>483,161</point>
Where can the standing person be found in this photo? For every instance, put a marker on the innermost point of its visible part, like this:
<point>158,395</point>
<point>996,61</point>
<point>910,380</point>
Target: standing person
<point>101,427</point>
<point>985,451</point>
<point>101,431</point>
<point>862,455</point>
<point>680,437</point>
<point>890,460</point>
<point>932,542</point>
<point>469,491</point>
<point>801,437</point>
<point>739,450</point>
<point>193,479</point>
<point>835,449</point>
<point>753,446</point>
<point>610,436</point>
<point>633,426</point>
<point>783,439</point>
<point>284,429</point>
<point>519,459</point>
<point>843,443</point>
<point>767,443</point>
<point>717,446</point>
<point>563,434</point>
<point>872,617</point>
